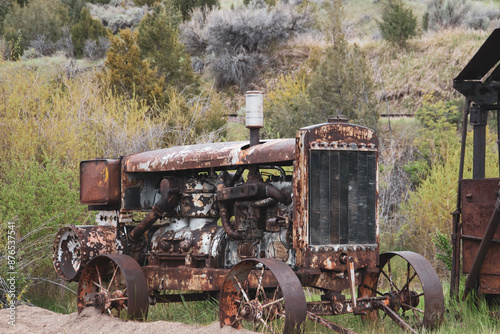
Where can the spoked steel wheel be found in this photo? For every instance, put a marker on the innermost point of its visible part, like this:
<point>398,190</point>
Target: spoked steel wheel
<point>115,285</point>
<point>264,295</point>
<point>413,290</point>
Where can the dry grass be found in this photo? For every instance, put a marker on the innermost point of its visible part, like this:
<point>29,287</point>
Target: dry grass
<point>427,66</point>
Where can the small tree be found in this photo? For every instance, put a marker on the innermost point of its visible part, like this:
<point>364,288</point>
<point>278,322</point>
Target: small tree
<point>127,73</point>
<point>341,82</point>
<point>86,28</point>
<point>159,43</point>
<point>398,22</point>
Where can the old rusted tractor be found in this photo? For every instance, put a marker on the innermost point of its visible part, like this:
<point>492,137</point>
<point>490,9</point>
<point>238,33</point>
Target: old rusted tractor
<point>252,224</point>
<point>475,234</point>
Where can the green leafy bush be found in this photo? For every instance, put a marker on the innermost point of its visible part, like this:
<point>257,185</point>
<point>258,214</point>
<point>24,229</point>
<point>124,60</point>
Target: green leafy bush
<point>87,28</point>
<point>398,22</point>
<point>438,136</point>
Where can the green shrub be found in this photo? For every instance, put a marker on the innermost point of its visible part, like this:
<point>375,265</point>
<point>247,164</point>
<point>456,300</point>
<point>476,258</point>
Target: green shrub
<point>159,43</point>
<point>87,28</point>
<point>193,119</point>
<point>39,17</point>
<point>187,6</point>
<point>342,84</point>
<point>287,108</point>
<point>398,22</point>
<point>438,136</point>
<point>38,198</point>
<point>128,74</point>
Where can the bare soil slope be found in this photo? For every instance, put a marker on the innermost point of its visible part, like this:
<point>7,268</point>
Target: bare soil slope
<point>39,320</point>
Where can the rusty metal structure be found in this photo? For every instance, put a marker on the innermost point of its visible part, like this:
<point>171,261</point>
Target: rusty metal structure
<point>475,237</point>
<point>250,224</point>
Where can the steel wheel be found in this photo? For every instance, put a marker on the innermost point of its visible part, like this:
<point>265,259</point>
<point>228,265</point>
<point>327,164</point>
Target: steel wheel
<point>415,295</point>
<point>263,294</point>
<point>115,285</point>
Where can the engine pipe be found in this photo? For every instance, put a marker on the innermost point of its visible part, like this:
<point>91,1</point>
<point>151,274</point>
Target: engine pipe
<point>266,193</point>
<point>168,201</point>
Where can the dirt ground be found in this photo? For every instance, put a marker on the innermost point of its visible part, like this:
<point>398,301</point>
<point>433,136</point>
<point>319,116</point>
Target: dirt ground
<point>31,319</point>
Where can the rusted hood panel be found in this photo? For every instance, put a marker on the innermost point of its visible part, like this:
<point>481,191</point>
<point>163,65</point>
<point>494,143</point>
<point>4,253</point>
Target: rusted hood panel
<point>210,155</point>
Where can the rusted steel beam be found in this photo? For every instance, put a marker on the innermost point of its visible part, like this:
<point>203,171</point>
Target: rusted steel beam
<point>197,279</point>
<point>394,316</point>
<point>328,324</point>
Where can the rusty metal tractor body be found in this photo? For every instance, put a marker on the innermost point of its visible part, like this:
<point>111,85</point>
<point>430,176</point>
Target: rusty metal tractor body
<point>237,220</point>
<point>475,221</point>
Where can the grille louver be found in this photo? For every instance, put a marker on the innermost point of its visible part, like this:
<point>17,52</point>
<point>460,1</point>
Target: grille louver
<point>342,202</point>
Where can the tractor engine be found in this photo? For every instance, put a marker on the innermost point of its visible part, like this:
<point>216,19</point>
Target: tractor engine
<point>205,218</point>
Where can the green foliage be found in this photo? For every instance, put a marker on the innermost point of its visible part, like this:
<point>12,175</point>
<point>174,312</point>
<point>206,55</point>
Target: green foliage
<point>398,22</point>
<point>287,108</point>
<point>187,6</point>
<point>444,253</point>
<point>193,119</point>
<point>159,44</point>
<point>417,170</point>
<point>428,209</point>
<point>39,17</point>
<point>87,28</point>
<point>438,136</point>
<point>128,74</point>
<point>39,198</point>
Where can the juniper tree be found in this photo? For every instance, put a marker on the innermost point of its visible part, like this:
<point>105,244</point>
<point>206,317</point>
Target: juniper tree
<point>159,44</point>
<point>341,83</point>
<point>128,73</point>
<point>398,22</point>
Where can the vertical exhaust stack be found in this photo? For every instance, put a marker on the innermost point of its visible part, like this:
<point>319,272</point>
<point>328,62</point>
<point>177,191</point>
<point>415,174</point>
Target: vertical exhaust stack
<point>254,115</point>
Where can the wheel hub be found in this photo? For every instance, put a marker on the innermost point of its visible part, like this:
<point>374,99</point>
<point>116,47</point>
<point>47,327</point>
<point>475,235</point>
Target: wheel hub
<point>102,301</point>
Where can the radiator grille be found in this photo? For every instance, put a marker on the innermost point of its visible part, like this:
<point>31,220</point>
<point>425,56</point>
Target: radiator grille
<point>342,199</point>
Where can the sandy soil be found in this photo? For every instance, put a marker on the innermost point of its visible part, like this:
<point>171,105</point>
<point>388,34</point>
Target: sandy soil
<point>38,320</point>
